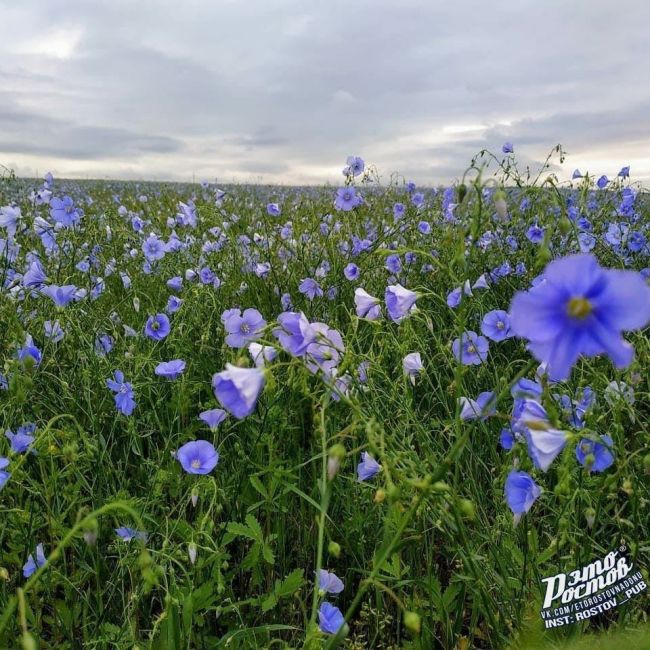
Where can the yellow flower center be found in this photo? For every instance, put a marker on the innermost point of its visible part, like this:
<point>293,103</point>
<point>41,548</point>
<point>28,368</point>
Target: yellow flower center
<point>579,308</point>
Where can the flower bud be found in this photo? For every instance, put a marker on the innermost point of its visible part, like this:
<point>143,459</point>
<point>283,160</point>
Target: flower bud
<point>500,205</point>
<point>336,455</point>
<point>334,549</point>
<point>90,537</point>
<point>440,486</point>
<point>191,552</point>
<point>28,641</point>
<point>467,509</point>
<point>412,622</point>
<point>333,465</point>
<point>590,516</point>
<point>380,495</point>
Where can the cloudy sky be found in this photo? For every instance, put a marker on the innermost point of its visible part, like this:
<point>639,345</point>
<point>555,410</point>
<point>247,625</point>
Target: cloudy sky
<point>285,90</point>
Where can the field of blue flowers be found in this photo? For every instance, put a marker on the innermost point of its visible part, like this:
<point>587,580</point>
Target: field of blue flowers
<point>366,416</point>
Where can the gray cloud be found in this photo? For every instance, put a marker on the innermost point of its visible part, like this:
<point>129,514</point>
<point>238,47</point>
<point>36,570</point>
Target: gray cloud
<point>38,134</point>
<point>287,89</point>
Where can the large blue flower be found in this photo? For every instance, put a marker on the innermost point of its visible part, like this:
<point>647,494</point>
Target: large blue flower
<point>580,309</point>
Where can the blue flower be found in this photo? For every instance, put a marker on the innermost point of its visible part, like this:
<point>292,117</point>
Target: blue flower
<point>330,618</point>
<point>325,352</point>
<point>242,328</point>
<point>173,304</point>
<point>124,396</point>
<point>129,534</point>
<point>153,248</point>
<point>170,369</point>
<point>198,457</point>
<point>64,212</point>
<point>520,492</point>
<point>30,350</point>
<point>35,276</point>
<point>535,234</point>
<point>482,407</point>
<point>213,418</point>
<point>175,283</point>
<point>544,442</point>
<point>261,354</point>
<point>393,263</point>
<point>367,306</point>
<point>454,297</point>
<point>347,199</point>
<point>507,147</point>
<point>34,562</point>
<point>470,349</point>
<point>400,302</point>
<point>506,439</point>
<point>329,582</point>
<point>21,441</point>
<point>103,345</point>
<point>496,325</point>
<point>351,272</point>
<point>602,456</point>
<point>580,309</point>
<point>237,389</point>
<point>61,296</point>
<point>310,288</point>
<point>412,365</point>
<point>354,166</point>
<point>368,467</point>
<point>157,327</point>
<point>586,242</point>
<point>9,217</point>
<point>273,209</point>
<point>53,331</point>
<point>417,199</point>
<point>295,332</point>
<point>4,476</point>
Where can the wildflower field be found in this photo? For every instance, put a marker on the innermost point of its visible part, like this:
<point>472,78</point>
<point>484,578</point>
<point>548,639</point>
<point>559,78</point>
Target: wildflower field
<point>366,416</point>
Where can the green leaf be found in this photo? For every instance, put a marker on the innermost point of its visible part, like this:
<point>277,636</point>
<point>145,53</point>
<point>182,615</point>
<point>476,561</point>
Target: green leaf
<point>254,525</point>
<point>290,584</point>
<point>283,589</point>
<point>241,530</point>
<point>257,484</point>
<point>267,553</point>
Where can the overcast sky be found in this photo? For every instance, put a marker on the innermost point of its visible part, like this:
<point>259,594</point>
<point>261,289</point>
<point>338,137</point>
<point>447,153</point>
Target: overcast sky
<point>285,90</point>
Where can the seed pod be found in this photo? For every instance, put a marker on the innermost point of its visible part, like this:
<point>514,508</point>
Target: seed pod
<point>412,622</point>
<point>334,549</point>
